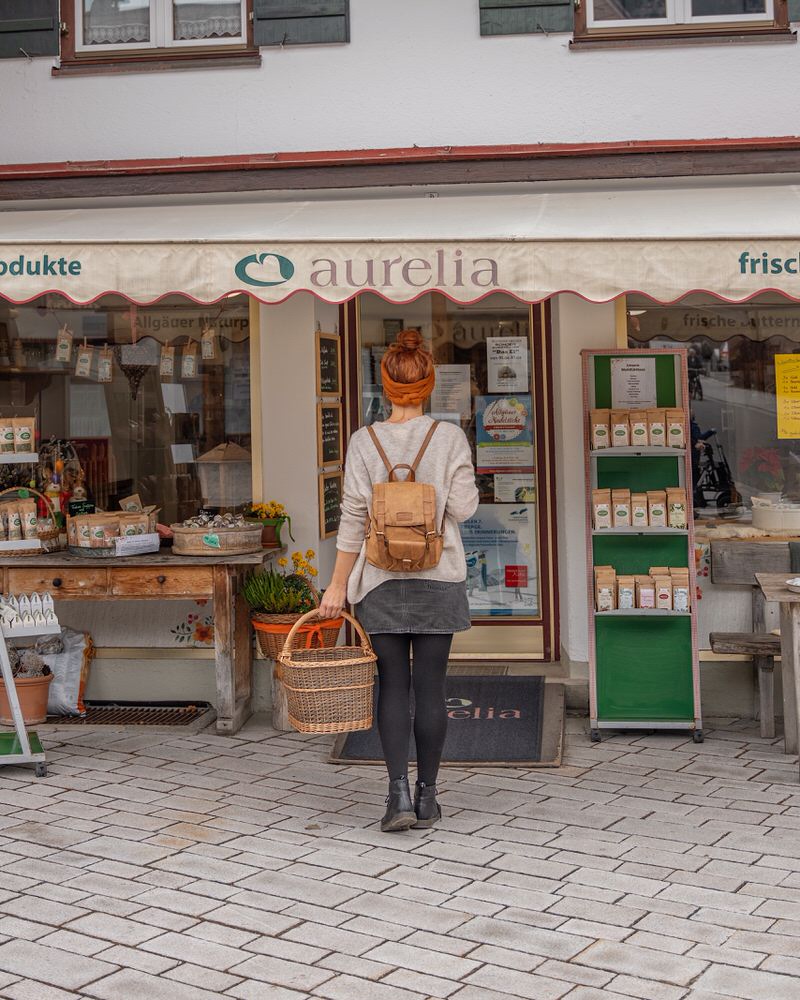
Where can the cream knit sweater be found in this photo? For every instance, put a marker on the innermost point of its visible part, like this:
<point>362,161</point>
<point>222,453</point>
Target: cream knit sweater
<point>446,465</point>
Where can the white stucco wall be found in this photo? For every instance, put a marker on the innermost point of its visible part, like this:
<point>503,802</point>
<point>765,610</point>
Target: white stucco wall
<point>416,72</point>
<point>577,324</point>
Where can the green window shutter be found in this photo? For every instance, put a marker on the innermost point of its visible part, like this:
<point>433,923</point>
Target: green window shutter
<point>28,28</point>
<point>527,17</point>
<point>794,10</point>
<point>301,22</point>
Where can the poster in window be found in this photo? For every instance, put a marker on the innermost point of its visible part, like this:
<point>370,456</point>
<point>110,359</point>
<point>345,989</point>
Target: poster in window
<point>451,393</point>
<point>787,395</point>
<point>331,486</point>
<point>499,544</point>
<point>507,364</point>
<point>329,364</point>
<point>504,433</point>
<point>329,434</point>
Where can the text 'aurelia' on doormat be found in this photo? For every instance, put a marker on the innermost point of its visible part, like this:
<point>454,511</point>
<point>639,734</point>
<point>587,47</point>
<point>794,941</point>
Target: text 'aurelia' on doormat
<point>490,719</point>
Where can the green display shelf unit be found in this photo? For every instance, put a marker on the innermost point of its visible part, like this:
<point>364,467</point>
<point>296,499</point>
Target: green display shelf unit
<point>643,664</point>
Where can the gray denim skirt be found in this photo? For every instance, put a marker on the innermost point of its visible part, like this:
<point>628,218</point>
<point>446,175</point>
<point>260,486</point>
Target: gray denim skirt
<point>415,605</point>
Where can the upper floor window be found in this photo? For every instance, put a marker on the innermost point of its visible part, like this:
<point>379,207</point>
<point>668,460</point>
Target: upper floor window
<point>129,25</point>
<point>657,13</point>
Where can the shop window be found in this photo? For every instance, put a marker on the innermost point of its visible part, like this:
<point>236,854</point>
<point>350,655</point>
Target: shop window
<point>657,13</point>
<point>128,399</point>
<point>735,392</point>
<point>488,372</point>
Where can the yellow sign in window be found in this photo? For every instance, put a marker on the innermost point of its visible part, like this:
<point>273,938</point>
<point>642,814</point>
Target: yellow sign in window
<point>787,394</point>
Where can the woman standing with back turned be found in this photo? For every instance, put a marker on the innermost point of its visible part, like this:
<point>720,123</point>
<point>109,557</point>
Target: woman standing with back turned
<point>407,612</point>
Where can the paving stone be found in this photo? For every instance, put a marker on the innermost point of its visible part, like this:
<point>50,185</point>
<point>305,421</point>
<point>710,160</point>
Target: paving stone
<point>31,960</point>
<point>132,985</point>
<point>111,928</point>
<point>281,973</point>
<point>625,958</point>
<point>351,988</point>
<point>748,984</point>
<point>519,984</point>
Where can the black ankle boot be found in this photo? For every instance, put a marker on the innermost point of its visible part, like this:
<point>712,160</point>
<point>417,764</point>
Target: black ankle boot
<point>426,808</point>
<point>400,813</point>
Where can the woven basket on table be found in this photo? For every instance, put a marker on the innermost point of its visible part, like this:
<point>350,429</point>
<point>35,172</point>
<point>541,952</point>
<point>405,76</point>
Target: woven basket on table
<point>51,538</point>
<point>328,690</point>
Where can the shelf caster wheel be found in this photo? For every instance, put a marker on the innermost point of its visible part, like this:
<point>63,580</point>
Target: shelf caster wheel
<point>41,770</point>
<point>697,736</point>
<point>594,735</point>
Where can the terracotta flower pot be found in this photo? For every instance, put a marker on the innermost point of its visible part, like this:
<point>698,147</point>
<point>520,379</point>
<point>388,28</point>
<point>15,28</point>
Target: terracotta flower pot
<point>32,693</point>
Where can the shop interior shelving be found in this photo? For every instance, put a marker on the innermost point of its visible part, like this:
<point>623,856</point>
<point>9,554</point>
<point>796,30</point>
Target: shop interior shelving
<point>643,664</point>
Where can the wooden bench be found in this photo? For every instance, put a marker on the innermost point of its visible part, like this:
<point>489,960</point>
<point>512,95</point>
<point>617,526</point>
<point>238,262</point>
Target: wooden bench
<point>763,647</point>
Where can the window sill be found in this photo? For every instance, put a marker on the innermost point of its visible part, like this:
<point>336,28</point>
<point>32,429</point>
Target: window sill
<point>643,39</point>
<point>156,63</point>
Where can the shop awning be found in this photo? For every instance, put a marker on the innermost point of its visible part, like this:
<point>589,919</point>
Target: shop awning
<point>732,240</point>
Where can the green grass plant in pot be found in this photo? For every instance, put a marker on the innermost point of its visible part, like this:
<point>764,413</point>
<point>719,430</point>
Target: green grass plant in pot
<point>277,599</point>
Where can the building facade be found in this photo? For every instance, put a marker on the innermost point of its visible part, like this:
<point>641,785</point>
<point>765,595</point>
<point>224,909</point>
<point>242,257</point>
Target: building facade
<point>403,152</point>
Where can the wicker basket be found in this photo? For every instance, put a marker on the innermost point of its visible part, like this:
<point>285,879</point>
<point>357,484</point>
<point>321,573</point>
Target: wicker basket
<point>328,690</point>
<point>223,541</point>
<point>51,538</point>
<point>272,631</point>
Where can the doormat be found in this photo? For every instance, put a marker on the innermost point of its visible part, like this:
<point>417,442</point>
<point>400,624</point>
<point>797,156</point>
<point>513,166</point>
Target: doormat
<point>494,721</point>
<point>125,713</point>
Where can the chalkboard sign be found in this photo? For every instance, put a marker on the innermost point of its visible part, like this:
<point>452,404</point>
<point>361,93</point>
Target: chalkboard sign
<point>330,503</point>
<point>75,507</point>
<point>329,434</point>
<point>329,365</point>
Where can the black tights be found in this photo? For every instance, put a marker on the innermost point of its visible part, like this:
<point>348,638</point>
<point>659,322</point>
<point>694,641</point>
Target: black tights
<point>394,710</point>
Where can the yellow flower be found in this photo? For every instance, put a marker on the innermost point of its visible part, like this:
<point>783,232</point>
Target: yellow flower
<point>283,561</point>
<point>312,571</point>
<point>310,554</point>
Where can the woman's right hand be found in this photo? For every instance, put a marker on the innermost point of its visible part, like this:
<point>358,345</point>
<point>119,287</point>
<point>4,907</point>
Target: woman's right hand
<point>333,600</point>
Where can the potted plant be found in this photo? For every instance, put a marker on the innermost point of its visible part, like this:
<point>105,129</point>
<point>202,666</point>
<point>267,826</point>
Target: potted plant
<point>272,515</point>
<point>32,679</point>
<point>278,598</point>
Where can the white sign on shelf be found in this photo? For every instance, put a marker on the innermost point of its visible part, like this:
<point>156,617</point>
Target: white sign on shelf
<point>134,545</point>
<point>633,383</point>
<point>452,392</point>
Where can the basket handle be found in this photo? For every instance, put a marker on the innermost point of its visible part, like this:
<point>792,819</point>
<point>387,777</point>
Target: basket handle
<point>366,645</point>
<point>48,502</point>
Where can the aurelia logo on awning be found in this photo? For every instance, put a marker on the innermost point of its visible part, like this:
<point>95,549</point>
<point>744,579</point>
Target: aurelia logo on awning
<point>264,269</point>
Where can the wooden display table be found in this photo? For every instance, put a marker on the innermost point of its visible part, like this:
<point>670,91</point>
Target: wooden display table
<point>158,577</point>
<point>774,588</point>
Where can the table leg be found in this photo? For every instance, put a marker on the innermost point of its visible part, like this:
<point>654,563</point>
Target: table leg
<point>233,691</point>
<point>242,651</point>
<point>790,655</point>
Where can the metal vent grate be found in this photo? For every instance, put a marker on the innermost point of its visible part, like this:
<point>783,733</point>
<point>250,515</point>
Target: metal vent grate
<point>129,714</point>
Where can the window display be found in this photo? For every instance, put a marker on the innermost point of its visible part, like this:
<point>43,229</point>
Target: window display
<point>741,365</point>
<point>104,402</point>
<point>484,385</point>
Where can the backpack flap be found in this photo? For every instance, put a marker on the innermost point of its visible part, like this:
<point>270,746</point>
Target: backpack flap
<point>404,516</point>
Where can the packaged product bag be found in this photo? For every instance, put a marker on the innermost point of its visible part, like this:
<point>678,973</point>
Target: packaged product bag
<point>189,360</point>
<point>64,344</point>
<point>640,433</point>
<point>657,427</point>
<point>167,367</point>
<point>83,361</point>
<point>621,508</point>
<point>601,508</point>
<point>663,586</point>
<point>599,422</point>
<point>645,592</point>
<point>24,433</point>
<point>6,434</point>
<point>605,588</point>
<point>676,507</point>
<point>30,523</point>
<point>639,517</point>
<point>105,365</point>
<point>626,592</point>
<point>620,429</point>
<point>69,657</point>
<point>657,508</point>
<point>676,434</point>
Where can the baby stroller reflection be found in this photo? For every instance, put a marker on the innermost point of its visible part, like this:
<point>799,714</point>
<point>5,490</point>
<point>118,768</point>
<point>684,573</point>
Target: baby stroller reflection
<point>477,572</point>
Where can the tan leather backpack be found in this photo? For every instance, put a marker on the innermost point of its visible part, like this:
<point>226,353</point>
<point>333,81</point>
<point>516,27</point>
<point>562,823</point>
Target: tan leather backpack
<point>401,534</point>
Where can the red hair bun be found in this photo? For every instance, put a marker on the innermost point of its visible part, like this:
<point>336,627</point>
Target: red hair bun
<point>407,360</point>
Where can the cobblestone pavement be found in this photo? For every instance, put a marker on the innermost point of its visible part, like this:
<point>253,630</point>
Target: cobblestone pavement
<point>191,867</point>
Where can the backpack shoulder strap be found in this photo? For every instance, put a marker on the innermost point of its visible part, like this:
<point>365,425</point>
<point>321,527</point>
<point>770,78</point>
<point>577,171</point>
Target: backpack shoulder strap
<point>379,447</point>
<point>424,446</point>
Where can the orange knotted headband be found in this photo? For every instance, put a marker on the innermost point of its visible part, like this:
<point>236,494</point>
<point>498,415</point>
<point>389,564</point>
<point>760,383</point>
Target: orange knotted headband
<point>407,393</point>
